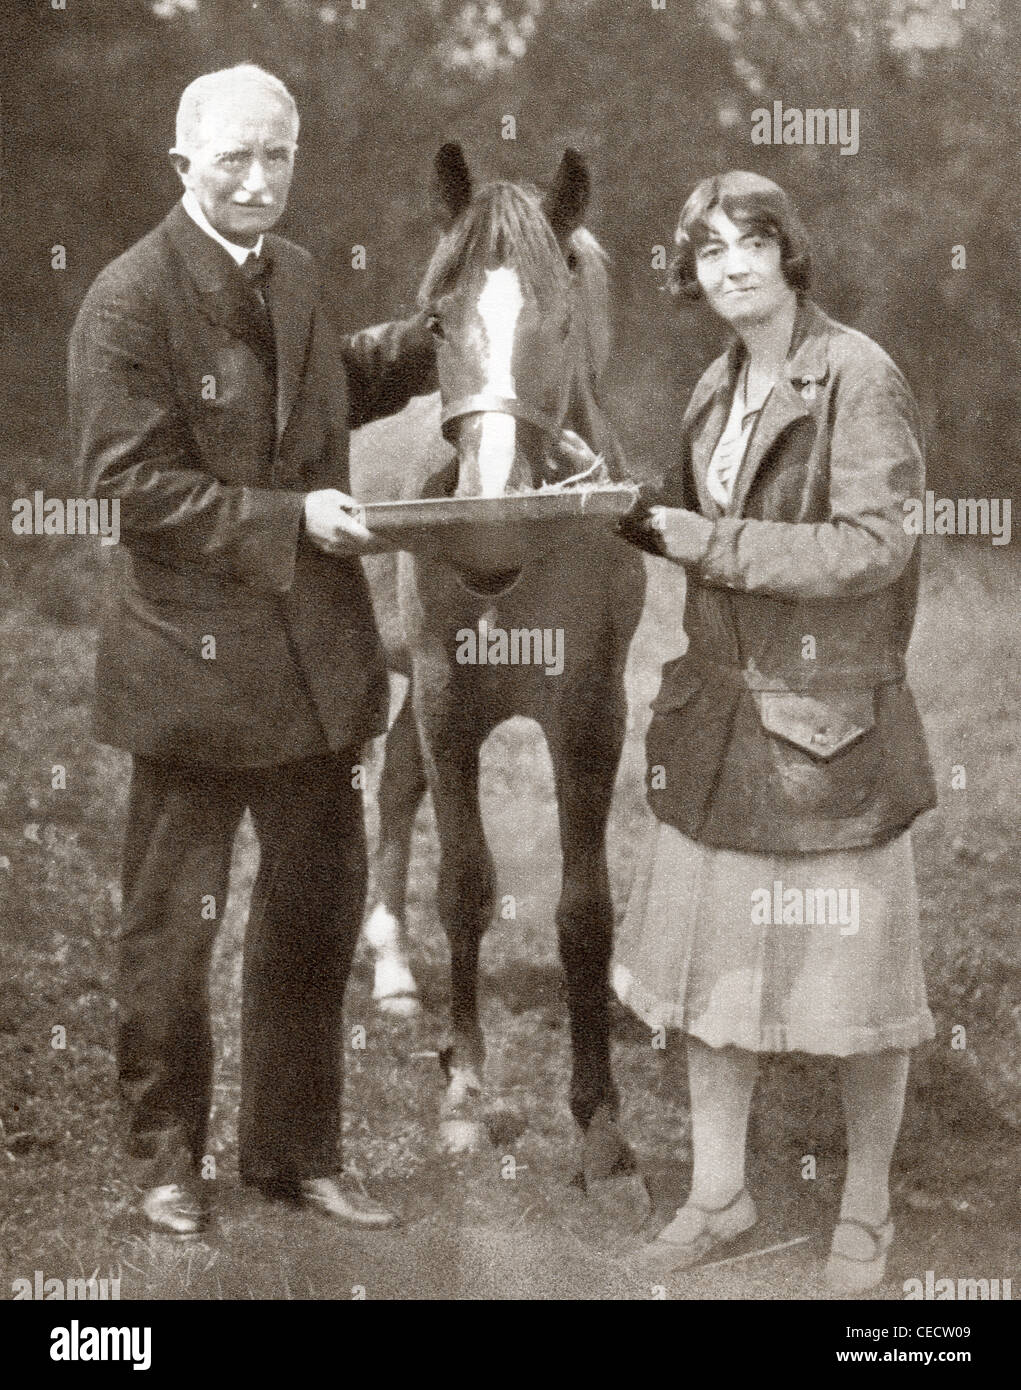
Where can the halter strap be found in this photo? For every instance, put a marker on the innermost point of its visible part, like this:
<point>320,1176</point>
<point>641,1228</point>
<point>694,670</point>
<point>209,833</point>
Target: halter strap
<point>501,405</point>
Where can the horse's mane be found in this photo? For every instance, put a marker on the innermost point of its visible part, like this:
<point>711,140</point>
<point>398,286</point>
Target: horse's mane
<point>505,225</point>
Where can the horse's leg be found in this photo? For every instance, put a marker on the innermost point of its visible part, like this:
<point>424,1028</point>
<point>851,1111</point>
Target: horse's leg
<point>401,788</point>
<point>451,740</point>
<point>585,737</point>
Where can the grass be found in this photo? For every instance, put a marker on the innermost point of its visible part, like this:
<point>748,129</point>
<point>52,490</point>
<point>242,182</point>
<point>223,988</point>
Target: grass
<point>469,1231</point>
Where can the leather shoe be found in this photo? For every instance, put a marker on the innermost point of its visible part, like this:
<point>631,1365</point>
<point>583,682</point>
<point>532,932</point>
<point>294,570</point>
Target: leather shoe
<point>343,1197</point>
<point>176,1209</point>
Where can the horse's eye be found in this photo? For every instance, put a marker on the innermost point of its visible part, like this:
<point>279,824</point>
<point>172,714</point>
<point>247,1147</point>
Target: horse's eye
<point>435,327</point>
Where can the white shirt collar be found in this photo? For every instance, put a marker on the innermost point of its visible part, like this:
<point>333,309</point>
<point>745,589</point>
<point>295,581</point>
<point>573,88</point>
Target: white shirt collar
<point>238,254</point>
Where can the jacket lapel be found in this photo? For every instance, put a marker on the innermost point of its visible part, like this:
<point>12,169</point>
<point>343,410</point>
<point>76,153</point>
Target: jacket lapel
<point>790,399</point>
<point>291,298</point>
<point>211,272</point>
<point>783,406</point>
<point>289,294</point>
<point>712,401</point>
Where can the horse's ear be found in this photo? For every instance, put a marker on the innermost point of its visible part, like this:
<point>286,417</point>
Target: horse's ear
<point>453,181</point>
<point>567,200</point>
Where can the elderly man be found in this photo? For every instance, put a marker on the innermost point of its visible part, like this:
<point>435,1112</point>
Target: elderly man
<point>239,663</point>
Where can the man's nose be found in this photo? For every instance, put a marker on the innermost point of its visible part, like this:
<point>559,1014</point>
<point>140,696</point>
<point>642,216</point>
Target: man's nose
<point>255,179</point>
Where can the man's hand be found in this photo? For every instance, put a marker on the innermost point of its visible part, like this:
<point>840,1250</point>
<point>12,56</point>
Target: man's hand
<point>331,523</point>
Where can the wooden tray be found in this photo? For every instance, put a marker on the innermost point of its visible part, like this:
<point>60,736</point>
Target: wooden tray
<point>424,513</point>
<point>497,533</point>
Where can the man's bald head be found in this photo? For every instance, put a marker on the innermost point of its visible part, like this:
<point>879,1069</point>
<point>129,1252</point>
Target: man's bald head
<point>243,83</point>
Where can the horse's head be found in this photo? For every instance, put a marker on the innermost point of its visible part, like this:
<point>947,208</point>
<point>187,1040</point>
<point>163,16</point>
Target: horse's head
<point>516,298</point>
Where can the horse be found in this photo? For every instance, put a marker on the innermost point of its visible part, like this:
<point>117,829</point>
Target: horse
<point>516,295</point>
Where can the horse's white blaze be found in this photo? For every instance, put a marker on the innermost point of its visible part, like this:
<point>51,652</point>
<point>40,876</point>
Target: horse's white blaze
<point>498,308</point>
<point>496,453</point>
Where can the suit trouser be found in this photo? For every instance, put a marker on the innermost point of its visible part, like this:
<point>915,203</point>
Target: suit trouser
<point>303,924</point>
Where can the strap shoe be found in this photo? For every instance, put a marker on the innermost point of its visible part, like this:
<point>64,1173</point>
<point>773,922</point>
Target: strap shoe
<point>694,1233</point>
<point>858,1253</point>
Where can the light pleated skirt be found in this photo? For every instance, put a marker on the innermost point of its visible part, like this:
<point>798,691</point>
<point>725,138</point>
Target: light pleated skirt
<point>775,953</point>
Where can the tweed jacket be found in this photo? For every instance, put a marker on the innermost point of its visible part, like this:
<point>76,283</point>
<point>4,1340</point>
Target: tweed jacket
<point>787,726</point>
<point>231,638</point>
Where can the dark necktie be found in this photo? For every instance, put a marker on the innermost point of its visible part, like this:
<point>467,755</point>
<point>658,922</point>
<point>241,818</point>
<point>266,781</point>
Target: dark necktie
<point>255,271</point>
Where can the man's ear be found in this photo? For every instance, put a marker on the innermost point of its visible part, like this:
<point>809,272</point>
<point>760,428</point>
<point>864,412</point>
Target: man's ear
<point>180,161</point>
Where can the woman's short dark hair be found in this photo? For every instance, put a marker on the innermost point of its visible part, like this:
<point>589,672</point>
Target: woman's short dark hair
<point>753,202</point>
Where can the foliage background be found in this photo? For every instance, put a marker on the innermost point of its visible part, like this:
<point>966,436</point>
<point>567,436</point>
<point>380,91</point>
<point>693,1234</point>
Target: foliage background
<point>654,98</point>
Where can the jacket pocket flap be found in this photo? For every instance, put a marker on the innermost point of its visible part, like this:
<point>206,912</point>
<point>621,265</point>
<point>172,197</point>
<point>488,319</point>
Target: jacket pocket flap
<point>822,726</point>
<point>681,679</point>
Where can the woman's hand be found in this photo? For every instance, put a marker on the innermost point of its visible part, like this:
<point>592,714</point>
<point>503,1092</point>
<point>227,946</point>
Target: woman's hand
<point>635,526</point>
<point>684,535</point>
<point>670,532</point>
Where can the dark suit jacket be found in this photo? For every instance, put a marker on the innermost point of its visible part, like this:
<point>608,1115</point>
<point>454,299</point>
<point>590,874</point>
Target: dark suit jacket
<point>231,638</point>
<point>788,726</point>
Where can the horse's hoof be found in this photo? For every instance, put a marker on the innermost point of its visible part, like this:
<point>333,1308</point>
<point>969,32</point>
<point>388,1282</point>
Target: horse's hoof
<point>462,1136</point>
<point>462,1128</point>
<point>605,1151</point>
<point>394,990</point>
<point>399,1005</point>
<point>504,1125</point>
<point>610,1175</point>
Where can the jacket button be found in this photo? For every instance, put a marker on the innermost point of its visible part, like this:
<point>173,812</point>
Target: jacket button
<point>820,737</point>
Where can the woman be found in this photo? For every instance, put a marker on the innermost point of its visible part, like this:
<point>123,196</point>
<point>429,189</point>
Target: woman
<point>775,909</point>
